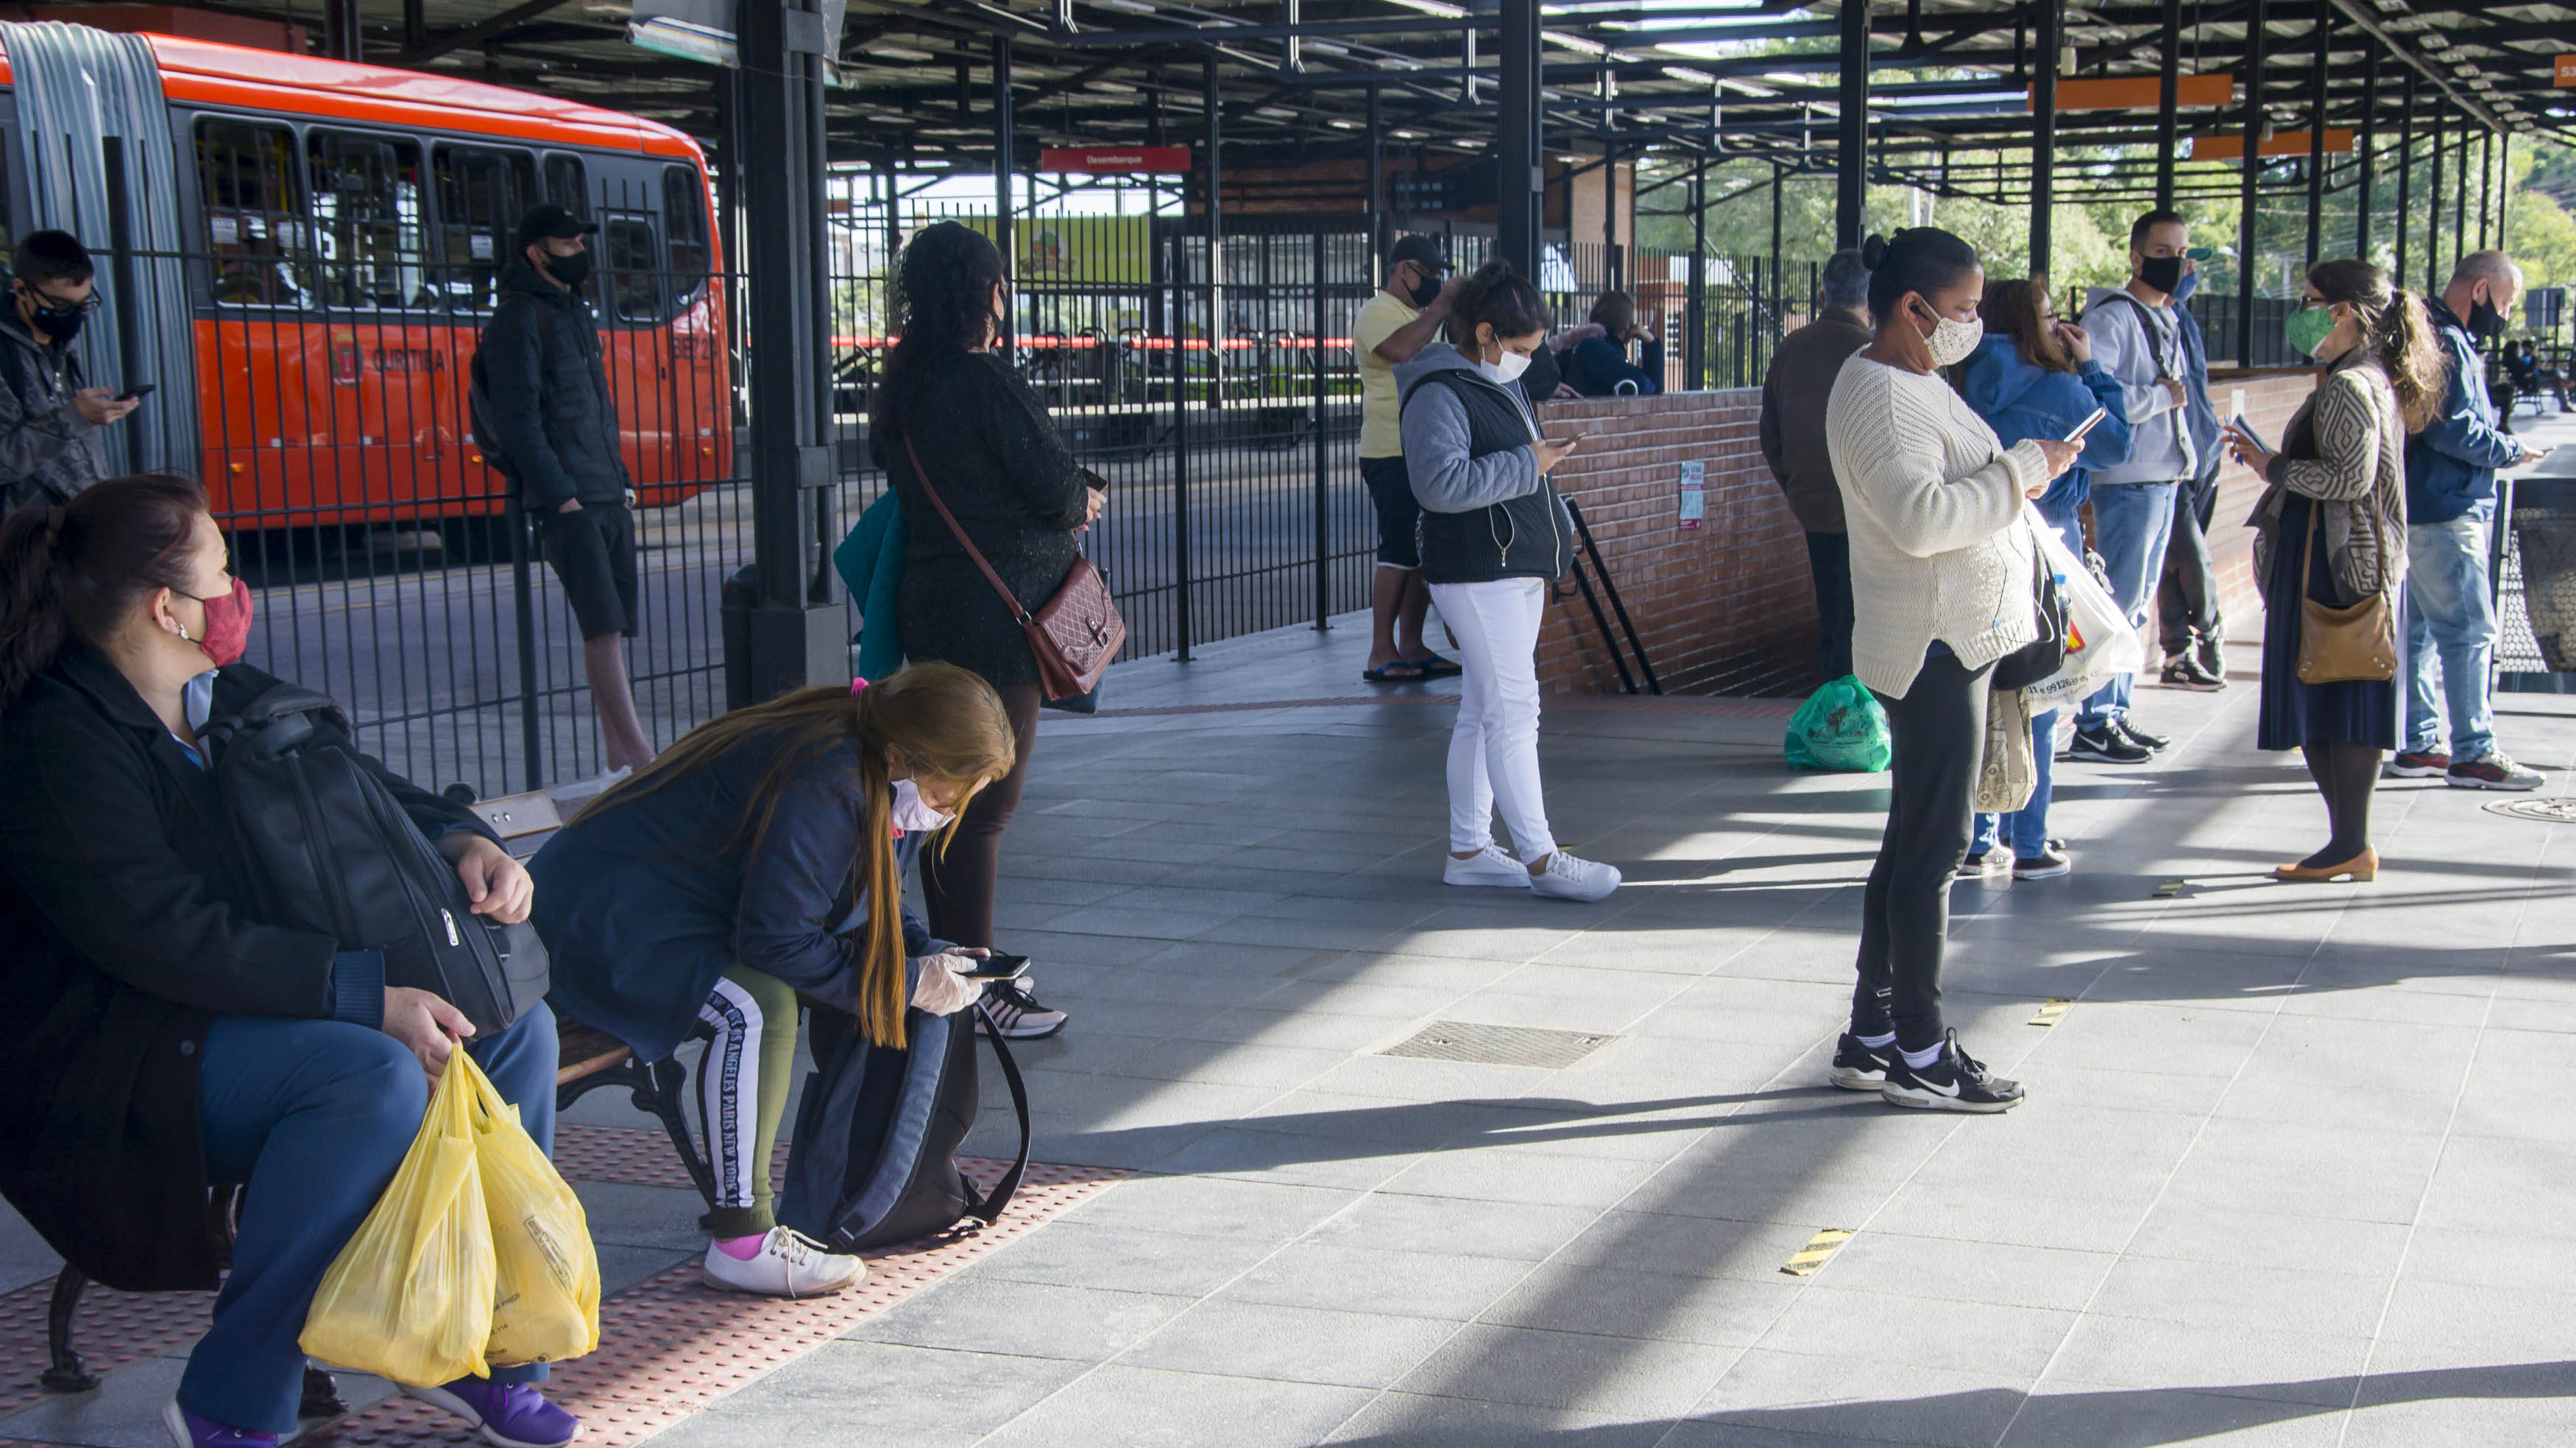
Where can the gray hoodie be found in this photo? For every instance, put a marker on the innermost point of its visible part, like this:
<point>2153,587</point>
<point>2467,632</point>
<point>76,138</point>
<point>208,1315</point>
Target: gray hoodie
<point>48,451</point>
<point>2138,345</point>
<point>1445,478</point>
<point>1488,512</point>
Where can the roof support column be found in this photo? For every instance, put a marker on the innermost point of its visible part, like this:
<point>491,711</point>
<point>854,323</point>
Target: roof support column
<point>2168,91</point>
<point>2249,184</point>
<point>2324,37</point>
<point>2504,171</point>
<point>2405,173</point>
<point>2043,144</point>
<point>2433,209</point>
<point>1851,128</point>
<point>1519,179</point>
<point>797,634</point>
<point>2459,203</point>
<point>341,39</point>
<point>1695,310</point>
<point>2369,140</point>
<point>2486,184</point>
<point>1376,187</point>
<point>1005,205</point>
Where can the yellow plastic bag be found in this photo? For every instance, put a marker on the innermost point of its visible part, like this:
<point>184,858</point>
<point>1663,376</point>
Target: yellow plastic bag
<point>410,1297</point>
<point>546,1307</point>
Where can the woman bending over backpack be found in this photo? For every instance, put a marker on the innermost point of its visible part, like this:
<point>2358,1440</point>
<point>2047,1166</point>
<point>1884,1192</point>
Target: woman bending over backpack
<point>169,1041</point>
<point>758,861</point>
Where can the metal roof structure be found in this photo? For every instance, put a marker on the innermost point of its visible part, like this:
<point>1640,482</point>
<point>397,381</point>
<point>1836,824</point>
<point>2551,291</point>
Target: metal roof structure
<point>1753,77</point>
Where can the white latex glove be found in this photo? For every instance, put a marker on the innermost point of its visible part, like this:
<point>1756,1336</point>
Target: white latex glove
<point>940,986</point>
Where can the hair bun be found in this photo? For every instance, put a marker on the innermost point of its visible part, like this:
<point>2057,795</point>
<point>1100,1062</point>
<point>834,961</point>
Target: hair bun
<point>1873,252</point>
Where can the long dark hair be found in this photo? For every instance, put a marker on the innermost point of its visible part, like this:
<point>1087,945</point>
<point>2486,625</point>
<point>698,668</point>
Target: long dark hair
<point>2013,309</point>
<point>940,304</point>
<point>2396,329</point>
<point>1919,259</point>
<point>943,723</point>
<point>79,570</point>
<point>1502,299</point>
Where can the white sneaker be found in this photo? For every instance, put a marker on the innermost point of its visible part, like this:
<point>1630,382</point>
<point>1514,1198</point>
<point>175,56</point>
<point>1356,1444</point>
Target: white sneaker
<point>1492,865</point>
<point>1568,878</point>
<point>789,1265</point>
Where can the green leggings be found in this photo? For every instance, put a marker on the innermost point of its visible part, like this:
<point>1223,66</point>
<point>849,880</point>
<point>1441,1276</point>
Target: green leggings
<point>742,1090</point>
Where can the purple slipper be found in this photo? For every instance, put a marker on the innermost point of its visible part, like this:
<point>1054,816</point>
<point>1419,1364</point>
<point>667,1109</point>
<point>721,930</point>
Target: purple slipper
<point>187,1430</point>
<point>510,1415</point>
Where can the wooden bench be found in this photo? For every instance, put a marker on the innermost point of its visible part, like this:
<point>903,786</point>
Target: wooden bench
<point>587,1059</point>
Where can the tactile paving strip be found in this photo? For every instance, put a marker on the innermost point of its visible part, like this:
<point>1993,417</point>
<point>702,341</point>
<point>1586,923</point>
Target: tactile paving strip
<point>669,1346</point>
<point>1497,1045</point>
<point>1723,708</point>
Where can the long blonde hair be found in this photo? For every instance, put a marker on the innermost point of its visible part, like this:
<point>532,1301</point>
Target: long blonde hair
<point>939,723</point>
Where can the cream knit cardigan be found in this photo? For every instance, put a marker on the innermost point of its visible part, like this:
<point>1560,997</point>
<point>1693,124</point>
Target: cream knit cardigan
<point>1934,506</point>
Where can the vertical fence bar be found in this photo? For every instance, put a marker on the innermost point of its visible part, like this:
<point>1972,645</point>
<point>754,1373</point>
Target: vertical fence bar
<point>2248,256</point>
<point>1323,459</point>
<point>524,608</point>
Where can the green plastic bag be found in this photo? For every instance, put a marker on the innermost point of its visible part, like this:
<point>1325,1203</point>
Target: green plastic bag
<point>1839,727</point>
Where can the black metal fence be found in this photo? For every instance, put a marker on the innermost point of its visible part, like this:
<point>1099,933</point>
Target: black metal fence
<point>337,300</point>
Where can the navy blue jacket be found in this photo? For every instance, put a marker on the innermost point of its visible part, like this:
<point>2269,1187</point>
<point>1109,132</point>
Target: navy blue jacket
<point>1598,365</point>
<point>2020,400</point>
<point>2450,465</point>
<point>644,905</point>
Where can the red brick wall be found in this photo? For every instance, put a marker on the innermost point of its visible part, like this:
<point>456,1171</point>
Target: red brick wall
<point>1728,608</point>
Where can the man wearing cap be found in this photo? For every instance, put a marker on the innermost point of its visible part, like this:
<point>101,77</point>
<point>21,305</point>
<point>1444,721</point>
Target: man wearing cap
<point>1405,315</point>
<point>543,409</point>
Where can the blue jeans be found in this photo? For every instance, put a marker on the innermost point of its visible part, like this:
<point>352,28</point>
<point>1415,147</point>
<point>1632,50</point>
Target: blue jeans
<point>315,1116</point>
<point>2132,523</point>
<point>2026,827</point>
<point>2450,626</point>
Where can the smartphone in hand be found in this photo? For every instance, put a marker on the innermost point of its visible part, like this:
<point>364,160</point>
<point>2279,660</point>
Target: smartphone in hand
<point>2087,425</point>
<point>136,392</point>
<point>999,966</point>
<point>1571,440</point>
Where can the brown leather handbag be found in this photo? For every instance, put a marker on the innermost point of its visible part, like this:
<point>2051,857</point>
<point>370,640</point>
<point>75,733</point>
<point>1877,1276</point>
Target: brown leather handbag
<point>2346,645</point>
<point>1072,635</point>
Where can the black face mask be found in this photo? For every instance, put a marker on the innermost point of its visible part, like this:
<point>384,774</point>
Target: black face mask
<point>2485,320</point>
<point>62,327</point>
<point>1425,292</point>
<point>2164,273</point>
<point>571,270</point>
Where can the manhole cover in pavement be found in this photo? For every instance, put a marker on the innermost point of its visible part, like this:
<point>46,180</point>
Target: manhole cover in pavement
<point>2547,811</point>
<point>1497,1045</point>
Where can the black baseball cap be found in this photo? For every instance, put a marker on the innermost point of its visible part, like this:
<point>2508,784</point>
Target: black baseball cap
<point>549,221</point>
<point>1422,251</point>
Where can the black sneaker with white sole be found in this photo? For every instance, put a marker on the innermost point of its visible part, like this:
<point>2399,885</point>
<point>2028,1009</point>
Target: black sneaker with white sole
<point>2106,745</point>
<point>1860,1068</point>
<point>1954,1081</point>
<point>1018,1013</point>
<point>2152,743</point>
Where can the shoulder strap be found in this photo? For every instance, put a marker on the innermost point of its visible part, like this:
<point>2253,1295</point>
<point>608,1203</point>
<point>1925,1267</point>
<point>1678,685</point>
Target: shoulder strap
<point>922,475</point>
<point>990,1208</point>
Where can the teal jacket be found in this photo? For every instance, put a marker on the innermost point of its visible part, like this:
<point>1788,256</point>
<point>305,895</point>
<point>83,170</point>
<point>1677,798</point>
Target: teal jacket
<point>870,561</point>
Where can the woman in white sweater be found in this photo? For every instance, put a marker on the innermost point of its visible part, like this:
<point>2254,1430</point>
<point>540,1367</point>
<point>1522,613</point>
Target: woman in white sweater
<point>1941,589</point>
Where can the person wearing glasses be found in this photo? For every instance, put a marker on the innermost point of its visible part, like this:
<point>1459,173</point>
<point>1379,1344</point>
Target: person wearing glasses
<point>49,414</point>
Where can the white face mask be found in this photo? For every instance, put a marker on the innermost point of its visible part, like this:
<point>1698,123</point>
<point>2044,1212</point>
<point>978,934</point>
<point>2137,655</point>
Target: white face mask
<point>1952,340</point>
<point>913,814</point>
<point>1509,369</point>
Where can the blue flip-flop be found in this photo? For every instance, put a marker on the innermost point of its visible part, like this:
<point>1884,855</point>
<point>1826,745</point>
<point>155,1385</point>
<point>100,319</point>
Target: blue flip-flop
<point>1383,674</point>
<point>1435,667</point>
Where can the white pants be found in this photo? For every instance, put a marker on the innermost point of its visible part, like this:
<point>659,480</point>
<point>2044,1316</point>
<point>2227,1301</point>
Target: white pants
<point>1493,753</point>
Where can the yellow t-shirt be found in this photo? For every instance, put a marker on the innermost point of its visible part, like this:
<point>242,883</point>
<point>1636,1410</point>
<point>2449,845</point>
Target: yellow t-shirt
<point>1381,435</point>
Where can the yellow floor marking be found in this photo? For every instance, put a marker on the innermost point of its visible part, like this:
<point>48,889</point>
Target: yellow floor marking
<point>1819,1248</point>
<point>2170,889</point>
<point>2049,1013</point>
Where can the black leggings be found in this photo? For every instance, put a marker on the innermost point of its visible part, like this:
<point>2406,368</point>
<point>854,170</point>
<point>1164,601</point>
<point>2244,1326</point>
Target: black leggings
<point>1938,731</point>
<point>957,883</point>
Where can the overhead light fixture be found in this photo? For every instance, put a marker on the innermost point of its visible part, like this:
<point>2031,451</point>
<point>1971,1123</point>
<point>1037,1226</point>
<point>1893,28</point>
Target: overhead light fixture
<point>895,52</point>
<point>1683,72</point>
<point>1110,87</point>
<point>1324,47</point>
<point>2435,40</point>
<point>1435,7</point>
<point>1277,113</point>
<point>1125,7</point>
<point>1406,135</point>
<point>1339,124</point>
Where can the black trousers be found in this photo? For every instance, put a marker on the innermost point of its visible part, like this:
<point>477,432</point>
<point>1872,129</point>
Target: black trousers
<point>1829,559</point>
<point>2187,591</point>
<point>957,883</point>
<point>1938,731</point>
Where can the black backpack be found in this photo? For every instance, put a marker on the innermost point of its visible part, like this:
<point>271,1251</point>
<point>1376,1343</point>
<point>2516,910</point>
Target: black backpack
<point>871,1164</point>
<point>478,390</point>
<point>335,854</point>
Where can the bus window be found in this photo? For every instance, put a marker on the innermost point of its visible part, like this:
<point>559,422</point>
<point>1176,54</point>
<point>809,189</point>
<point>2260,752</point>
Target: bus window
<point>566,186</point>
<point>684,211</point>
<point>480,195</point>
<point>366,209</point>
<point>254,218</point>
<point>633,268</point>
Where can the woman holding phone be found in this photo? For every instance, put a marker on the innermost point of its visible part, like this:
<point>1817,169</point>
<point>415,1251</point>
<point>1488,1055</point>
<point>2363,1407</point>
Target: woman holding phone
<point>2034,376</point>
<point>1941,589</point>
<point>757,863</point>
<point>2331,529</point>
<point>1493,533</point>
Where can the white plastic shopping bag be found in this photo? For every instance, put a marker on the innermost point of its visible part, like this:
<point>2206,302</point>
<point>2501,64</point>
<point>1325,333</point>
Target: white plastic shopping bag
<point>2100,641</point>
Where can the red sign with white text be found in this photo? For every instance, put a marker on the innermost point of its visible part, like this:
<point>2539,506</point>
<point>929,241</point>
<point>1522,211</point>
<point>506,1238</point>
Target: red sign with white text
<point>1115,160</point>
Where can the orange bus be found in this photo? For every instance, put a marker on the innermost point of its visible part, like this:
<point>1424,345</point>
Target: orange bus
<point>342,228</point>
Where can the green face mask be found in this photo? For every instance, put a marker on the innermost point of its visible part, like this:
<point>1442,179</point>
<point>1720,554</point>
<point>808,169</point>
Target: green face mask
<point>2307,329</point>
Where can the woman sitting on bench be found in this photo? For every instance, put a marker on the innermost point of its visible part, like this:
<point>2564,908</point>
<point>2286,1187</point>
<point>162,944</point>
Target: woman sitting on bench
<point>167,1040</point>
<point>758,860</point>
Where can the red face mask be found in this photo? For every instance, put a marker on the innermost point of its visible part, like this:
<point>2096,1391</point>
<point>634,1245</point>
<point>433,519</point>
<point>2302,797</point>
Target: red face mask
<point>227,625</point>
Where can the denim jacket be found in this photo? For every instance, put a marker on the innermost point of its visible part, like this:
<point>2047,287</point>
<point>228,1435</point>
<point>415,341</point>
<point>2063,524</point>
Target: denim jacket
<point>2450,465</point>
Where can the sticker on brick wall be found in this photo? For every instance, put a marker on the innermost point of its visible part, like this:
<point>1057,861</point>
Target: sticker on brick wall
<point>1694,494</point>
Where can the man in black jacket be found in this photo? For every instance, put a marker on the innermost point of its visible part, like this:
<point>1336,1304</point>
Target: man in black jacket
<point>543,396</point>
<point>50,417</point>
